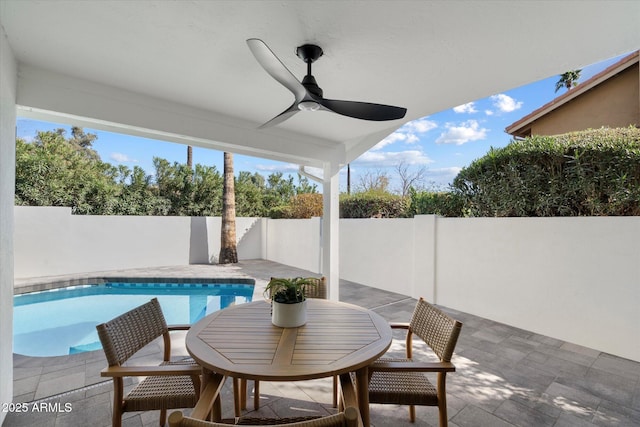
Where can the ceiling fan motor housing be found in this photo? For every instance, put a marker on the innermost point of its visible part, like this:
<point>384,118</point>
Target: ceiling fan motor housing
<point>309,52</point>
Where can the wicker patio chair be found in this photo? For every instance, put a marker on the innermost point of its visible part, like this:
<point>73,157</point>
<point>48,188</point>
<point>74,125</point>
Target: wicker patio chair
<point>318,291</point>
<point>347,417</point>
<point>168,386</point>
<point>403,381</point>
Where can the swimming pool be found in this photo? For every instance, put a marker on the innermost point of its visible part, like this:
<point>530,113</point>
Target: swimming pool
<point>63,321</point>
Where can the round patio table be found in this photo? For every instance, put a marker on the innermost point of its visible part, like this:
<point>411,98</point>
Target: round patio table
<point>241,342</point>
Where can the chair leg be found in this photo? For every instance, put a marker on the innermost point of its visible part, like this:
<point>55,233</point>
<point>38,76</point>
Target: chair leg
<point>237,396</point>
<point>163,417</point>
<point>442,399</point>
<point>243,393</point>
<point>444,422</point>
<point>412,413</point>
<point>256,395</point>
<point>118,394</point>
<point>335,391</point>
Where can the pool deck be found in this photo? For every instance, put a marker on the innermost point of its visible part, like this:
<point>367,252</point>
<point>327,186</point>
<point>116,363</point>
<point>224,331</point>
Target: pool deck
<point>505,376</point>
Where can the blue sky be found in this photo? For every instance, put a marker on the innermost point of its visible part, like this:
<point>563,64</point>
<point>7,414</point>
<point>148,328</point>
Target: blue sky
<point>442,143</point>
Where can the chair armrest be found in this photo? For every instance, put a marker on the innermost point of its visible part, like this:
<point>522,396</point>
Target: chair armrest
<point>412,366</point>
<point>184,327</point>
<point>399,325</point>
<point>143,371</point>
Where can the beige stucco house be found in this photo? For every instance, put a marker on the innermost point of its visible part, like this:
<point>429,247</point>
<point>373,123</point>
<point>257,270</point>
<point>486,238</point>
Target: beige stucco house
<point>610,98</point>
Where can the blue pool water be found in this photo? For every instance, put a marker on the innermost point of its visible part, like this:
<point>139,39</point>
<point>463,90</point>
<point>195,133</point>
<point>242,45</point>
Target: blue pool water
<point>63,321</point>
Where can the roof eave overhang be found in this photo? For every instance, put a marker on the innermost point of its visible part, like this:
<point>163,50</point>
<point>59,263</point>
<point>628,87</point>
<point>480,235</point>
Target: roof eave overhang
<point>46,95</point>
<point>520,127</point>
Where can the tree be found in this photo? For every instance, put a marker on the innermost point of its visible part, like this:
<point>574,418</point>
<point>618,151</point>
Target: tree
<point>175,183</point>
<point>568,80</point>
<point>279,191</point>
<point>305,186</point>
<point>376,182</point>
<point>137,194</point>
<point>249,191</point>
<point>410,178</point>
<point>82,139</point>
<point>54,171</point>
<point>228,249</point>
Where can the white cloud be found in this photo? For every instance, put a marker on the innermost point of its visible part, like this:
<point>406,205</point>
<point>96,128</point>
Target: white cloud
<point>465,108</point>
<point>407,133</point>
<point>394,137</point>
<point>420,126</point>
<point>452,171</point>
<point>386,159</point>
<point>122,158</point>
<point>441,178</point>
<point>284,168</point>
<point>488,112</point>
<point>465,132</point>
<point>505,103</point>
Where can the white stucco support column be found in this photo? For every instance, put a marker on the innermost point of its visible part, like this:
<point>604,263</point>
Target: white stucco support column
<point>8,85</point>
<point>330,228</point>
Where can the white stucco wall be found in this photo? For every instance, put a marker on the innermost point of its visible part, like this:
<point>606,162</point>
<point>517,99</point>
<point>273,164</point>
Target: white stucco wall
<point>576,279</point>
<point>295,242</point>
<point>8,84</point>
<point>375,252</point>
<point>50,241</point>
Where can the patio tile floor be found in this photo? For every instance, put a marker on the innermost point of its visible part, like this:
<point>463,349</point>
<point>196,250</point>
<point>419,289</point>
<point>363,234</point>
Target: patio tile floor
<point>505,376</point>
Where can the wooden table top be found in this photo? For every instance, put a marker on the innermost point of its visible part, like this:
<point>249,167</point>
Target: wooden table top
<point>242,342</point>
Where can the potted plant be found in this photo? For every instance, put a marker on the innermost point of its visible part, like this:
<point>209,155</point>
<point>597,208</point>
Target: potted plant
<point>288,300</point>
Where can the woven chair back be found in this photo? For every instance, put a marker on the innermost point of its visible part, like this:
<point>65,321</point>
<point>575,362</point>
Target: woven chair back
<point>129,332</point>
<point>319,291</point>
<point>437,329</point>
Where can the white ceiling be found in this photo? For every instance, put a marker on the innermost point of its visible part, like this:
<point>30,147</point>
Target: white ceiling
<point>157,58</point>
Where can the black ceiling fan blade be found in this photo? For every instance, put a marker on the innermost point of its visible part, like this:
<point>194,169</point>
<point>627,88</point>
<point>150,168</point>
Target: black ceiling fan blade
<point>282,116</point>
<point>276,69</point>
<point>364,110</point>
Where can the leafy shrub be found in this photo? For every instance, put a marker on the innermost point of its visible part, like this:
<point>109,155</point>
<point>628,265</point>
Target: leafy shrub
<point>372,204</point>
<point>593,172</point>
<point>280,212</point>
<point>448,204</point>
<point>306,205</point>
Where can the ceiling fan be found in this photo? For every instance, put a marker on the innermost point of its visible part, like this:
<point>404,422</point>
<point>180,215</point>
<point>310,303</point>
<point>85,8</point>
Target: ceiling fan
<point>308,95</point>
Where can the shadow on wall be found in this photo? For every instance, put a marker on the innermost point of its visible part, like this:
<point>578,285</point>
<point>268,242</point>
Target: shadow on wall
<point>199,241</point>
<point>204,239</point>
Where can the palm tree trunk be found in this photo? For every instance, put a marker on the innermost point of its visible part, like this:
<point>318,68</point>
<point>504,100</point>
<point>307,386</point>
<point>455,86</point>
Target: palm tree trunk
<point>190,160</point>
<point>228,250</point>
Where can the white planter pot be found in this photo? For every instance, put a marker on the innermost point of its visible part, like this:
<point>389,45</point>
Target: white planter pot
<point>289,315</point>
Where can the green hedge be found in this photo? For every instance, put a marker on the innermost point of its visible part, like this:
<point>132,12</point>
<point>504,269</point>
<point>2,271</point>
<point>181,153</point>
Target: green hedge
<point>446,204</point>
<point>372,205</point>
<point>593,172</point>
